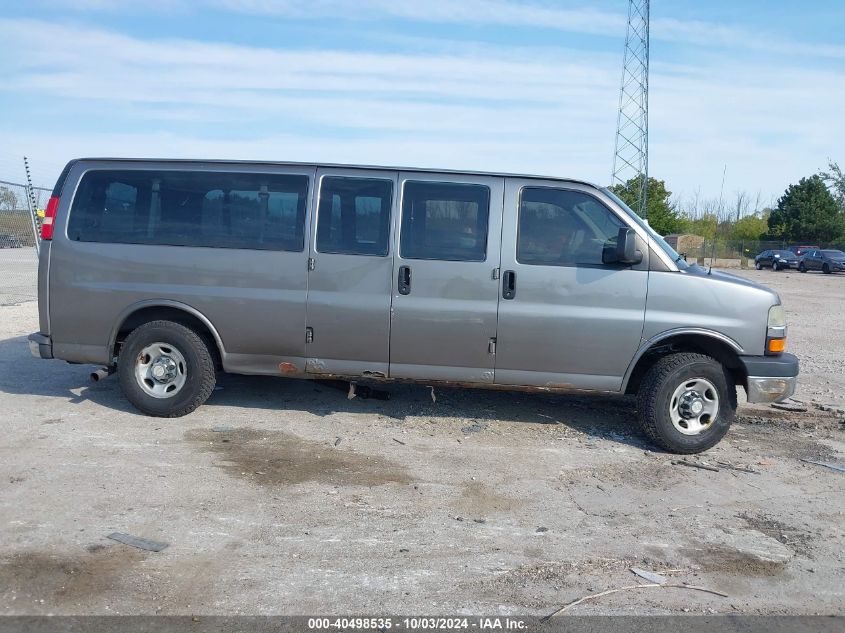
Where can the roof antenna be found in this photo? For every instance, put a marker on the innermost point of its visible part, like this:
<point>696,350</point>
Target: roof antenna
<point>718,217</point>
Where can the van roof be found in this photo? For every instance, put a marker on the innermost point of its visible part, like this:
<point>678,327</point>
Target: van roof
<point>337,165</point>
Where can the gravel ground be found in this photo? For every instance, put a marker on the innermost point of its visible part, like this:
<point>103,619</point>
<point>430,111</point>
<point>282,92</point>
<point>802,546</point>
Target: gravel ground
<point>285,497</point>
<point>19,267</point>
<point>814,309</point>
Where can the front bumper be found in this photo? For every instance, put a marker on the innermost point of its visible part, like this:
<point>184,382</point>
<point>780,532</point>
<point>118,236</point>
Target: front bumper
<point>40,345</point>
<point>770,378</point>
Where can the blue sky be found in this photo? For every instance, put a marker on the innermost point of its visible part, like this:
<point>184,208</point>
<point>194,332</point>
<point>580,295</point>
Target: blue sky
<point>476,84</point>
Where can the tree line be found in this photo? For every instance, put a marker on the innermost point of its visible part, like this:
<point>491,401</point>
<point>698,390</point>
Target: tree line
<point>811,210</point>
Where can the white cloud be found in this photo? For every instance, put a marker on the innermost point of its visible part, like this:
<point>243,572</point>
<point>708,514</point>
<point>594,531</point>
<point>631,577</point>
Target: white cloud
<point>548,15</point>
<point>497,108</point>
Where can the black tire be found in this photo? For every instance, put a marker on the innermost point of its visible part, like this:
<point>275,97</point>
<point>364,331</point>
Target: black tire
<point>200,374</point>
<point>655,393</point>
<point>802,268</point>
<point>775,267</point>
<point>826,269</point>
<point>758,265</point>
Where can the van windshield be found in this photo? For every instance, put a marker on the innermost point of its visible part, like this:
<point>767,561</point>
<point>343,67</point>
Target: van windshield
<point>673,254</point>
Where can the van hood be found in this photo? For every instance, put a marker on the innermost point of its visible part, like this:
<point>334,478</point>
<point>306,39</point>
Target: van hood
<point>723,277</point>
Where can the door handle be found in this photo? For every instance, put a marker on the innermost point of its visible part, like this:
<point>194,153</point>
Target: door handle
<point>404,280</point>
<point>509,285</point>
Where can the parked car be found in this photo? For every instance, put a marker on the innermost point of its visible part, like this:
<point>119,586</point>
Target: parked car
<point>10,241</point>
<point>169,271</point>
<point>827,261</point>
<point>776,260</point>
<point>800,250</point>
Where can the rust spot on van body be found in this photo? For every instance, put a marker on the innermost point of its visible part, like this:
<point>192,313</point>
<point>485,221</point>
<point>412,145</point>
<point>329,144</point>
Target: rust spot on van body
<point>288,368</point>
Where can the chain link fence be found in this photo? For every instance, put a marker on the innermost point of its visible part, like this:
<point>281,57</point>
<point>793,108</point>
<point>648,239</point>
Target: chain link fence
<point>20,222</point>
<point>741,253</point>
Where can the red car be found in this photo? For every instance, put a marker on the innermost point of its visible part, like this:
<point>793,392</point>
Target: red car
<point>801,250</point>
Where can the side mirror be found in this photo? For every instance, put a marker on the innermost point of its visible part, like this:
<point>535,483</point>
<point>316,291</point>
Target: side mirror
<point>626,249</point>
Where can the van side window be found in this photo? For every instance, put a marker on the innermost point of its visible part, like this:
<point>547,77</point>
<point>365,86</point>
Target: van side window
<point>191,208</point>
<point>559,227</point>
<point>354,216</point>
<point>446,221</point>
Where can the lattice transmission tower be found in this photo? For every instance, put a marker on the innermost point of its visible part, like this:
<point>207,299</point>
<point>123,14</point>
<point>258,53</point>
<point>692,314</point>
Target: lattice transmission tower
<point>630,158</point>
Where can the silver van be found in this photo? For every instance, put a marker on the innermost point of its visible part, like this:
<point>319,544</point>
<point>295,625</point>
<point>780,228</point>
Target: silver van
<point>168,271</point>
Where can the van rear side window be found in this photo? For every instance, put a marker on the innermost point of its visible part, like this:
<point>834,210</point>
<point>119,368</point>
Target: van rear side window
<point>446,221</point>
<point>191,208</point>
<point>354,216</point>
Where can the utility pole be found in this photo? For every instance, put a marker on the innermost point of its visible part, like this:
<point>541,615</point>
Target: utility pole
<point>630,158</point>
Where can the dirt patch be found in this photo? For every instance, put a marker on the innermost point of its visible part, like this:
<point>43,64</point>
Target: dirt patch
<point>539,586</point>
<point>812,420</point>
<point>479,500</point>
<point>273,458</point>
<point>798,540</point>
<point>779,439</point>
<point>720,558</point>
<point>56,579</point>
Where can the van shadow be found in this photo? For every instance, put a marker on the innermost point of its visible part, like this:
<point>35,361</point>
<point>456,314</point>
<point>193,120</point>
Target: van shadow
<point>608,417</point>
<point>23,374</point>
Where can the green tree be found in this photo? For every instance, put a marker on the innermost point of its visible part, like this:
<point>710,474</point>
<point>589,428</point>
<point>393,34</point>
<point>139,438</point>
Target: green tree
<point>705,226</point>
<point>8,199</point>
<point>807,212</point>
<point>835,179</point>
<point>661,213</point>
<point>749,228</point>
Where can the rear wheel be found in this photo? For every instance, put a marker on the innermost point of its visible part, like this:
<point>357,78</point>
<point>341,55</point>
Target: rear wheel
<point>802,268</point>
<point>165,369</point>
<point>686,403</point>
<point>826,269</point>
<point>758,265</point>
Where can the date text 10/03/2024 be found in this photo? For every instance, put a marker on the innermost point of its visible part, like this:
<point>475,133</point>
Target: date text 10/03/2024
<point>418,623</point>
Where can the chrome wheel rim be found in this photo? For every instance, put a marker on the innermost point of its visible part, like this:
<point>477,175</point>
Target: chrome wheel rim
<point>161,370</point>
<point>694,406</point>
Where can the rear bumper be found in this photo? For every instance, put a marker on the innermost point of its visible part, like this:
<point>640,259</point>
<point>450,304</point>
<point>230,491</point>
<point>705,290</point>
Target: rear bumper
<point>41,345</point>
<point>770,378</point>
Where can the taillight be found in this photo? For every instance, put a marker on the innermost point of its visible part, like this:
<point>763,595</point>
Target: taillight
<point>49,218</point>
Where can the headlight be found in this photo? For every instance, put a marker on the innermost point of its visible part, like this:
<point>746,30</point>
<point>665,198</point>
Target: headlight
<point>776,330</point>
<point>777,316</point>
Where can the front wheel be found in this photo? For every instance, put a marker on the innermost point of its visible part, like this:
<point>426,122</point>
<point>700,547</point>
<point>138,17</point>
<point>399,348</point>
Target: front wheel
<point>775,267</point>
<point>165,369</point>
<point>686,403</point>
<point>802,268</point>
<point>826,269</point>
